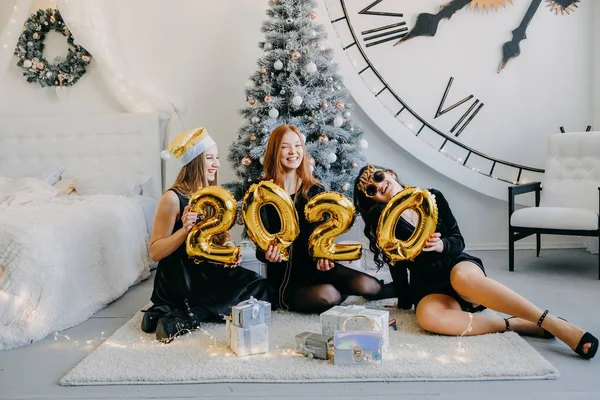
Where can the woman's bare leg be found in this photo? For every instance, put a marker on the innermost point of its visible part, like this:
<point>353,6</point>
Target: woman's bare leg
<point>440,313</point>
<point>469,281</point>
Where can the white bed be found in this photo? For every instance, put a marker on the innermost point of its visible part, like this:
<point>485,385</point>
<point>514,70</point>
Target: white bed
<point>64,257</point>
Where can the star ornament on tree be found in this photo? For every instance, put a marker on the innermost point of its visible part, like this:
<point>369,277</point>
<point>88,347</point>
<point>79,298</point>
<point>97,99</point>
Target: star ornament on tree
<point>426,24</point>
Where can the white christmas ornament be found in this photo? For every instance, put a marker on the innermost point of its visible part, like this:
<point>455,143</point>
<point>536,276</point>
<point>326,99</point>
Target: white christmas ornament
<point>278,65</point>
<point>311,67</point>
<point>262,160</point>
<point>268,46</point>
<point>255,120</point>
<point>331,158</point>
<point>338,121</point>
<point>363,144</point>
<point>297,100</point>
<point>27,63</point>
<point>347,114</point>
<point>273,113</point>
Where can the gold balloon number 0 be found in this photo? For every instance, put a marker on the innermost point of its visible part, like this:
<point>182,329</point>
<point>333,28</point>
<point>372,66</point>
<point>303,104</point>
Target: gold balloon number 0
<point>423,202</point>
<point>341,217</point>
<point>199,243</point>
<point>263,193</point>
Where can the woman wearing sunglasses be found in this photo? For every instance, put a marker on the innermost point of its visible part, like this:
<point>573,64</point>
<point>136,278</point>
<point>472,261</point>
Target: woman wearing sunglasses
<point>304,284</point>
<point>448,285</point>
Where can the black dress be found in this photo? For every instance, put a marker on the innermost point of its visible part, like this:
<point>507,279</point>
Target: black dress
<point>210,289</point>
<point>300,271</point>
<point>430,271</point>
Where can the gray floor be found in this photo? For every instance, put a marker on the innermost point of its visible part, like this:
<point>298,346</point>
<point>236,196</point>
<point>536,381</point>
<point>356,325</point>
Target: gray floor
<point>565,281</point>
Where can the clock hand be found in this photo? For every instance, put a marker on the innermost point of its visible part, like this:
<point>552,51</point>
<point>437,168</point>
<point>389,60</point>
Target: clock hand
<point>427,24</point>
<point>511,49</point>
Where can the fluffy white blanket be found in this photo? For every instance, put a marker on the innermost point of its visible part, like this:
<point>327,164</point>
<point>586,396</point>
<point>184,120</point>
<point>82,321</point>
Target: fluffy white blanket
<point>17,191</point>
<point>62,258</point>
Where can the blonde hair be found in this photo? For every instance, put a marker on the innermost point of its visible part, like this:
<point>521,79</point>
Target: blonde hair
<point>191,177</point>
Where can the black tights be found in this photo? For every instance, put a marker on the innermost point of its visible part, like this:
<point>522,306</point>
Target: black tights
<point>336,284</point>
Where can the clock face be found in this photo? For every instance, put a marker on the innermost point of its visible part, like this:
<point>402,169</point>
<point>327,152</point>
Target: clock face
<point>483,89</point>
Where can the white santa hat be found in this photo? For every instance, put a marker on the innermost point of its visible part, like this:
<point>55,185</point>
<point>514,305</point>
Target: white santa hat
<point>188,145</point>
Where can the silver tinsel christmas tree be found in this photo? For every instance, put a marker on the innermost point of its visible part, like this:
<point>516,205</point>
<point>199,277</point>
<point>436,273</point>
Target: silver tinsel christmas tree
<point>296,82</point>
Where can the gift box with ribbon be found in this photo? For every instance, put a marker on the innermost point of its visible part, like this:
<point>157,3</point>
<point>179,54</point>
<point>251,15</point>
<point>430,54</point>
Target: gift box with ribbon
<point>251,312</point>
<point>247,341</point>
<point>332,319</point>
<point>314,345</point>
<point>357,347</point>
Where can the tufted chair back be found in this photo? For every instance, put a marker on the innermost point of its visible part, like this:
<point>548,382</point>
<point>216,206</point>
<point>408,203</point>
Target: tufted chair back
<point>572,173</point>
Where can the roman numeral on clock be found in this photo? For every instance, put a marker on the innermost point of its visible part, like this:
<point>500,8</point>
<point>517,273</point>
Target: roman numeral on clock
<point>467,117</point>
<point>383,33</point>
<point>367,11</point>
<point>387,32</point>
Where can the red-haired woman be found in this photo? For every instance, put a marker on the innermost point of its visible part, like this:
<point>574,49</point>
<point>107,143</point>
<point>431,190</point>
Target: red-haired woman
<point>301,283</point>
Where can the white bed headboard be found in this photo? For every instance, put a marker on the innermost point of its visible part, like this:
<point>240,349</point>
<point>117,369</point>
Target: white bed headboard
<point>96,143</point>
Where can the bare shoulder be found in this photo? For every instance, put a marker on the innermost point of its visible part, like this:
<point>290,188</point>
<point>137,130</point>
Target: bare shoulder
<point>169,202</point>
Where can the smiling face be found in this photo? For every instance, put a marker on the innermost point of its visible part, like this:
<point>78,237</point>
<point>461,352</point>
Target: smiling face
<point>211,163</point>
<point>379,185</point>
<point>291,151</point>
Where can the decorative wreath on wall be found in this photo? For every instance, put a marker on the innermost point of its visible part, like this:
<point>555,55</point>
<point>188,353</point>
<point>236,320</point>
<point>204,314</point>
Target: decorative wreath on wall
<point>30,50</point>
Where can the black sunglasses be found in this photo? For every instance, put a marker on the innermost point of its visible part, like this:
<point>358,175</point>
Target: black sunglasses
<point>371,189</point>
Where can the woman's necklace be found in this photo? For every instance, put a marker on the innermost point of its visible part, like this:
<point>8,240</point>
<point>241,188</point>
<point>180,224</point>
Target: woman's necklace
<point>410,216</point>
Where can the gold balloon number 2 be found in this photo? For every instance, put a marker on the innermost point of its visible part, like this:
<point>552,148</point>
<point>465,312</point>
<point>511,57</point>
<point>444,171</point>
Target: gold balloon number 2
<point>214,220</point>
<point>341,217</point>
<point>423,202</point>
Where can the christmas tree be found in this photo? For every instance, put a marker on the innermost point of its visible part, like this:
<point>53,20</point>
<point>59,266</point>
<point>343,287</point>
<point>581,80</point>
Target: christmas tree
<point>296,82</point>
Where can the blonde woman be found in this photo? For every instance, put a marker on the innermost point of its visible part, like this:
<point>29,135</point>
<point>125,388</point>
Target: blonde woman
<point>186,293</point>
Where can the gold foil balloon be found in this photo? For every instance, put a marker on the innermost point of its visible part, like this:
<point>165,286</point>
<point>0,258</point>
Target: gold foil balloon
<point>341,217</point>
<point>268,192</point>
<point>199,243</point>
<point>423,203</point>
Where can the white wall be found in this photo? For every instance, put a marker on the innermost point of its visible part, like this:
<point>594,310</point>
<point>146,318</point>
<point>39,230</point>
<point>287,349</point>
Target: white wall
<point>596,63</point>
<point>201,53</point>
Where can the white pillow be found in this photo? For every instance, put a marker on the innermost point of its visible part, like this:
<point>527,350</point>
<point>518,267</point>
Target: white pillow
<point>110,184</point>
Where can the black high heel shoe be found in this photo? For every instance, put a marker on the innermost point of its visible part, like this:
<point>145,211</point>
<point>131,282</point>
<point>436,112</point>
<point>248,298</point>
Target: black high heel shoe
<point>585,339</point>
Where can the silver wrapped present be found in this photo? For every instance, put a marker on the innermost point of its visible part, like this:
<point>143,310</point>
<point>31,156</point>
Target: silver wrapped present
<point>314,345</point>
<point>332,319</point>
<point>251,312</point>
<point>247,341</point>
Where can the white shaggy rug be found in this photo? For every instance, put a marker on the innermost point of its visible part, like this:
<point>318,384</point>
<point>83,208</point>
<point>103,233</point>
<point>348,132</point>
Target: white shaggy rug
<point>130,356</point>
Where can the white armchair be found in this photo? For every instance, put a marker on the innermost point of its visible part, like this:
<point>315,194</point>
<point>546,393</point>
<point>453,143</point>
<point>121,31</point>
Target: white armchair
<point>569,203</point>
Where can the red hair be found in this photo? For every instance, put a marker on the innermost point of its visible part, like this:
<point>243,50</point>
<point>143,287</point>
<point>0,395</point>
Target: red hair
<point>272,163</point>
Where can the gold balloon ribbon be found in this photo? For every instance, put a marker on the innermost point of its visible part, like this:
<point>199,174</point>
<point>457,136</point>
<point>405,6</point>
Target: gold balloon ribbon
<point>342,215</point>
<point>199,243</point>
<point>268,192</point>
<point>423,202</point>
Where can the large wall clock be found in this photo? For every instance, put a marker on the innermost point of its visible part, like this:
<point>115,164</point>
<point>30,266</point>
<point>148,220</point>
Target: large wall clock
<point>471,87</point>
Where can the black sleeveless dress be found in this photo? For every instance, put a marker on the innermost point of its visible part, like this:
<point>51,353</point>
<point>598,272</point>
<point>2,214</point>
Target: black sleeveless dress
<point>209,288</point>
<point>430,271</point>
